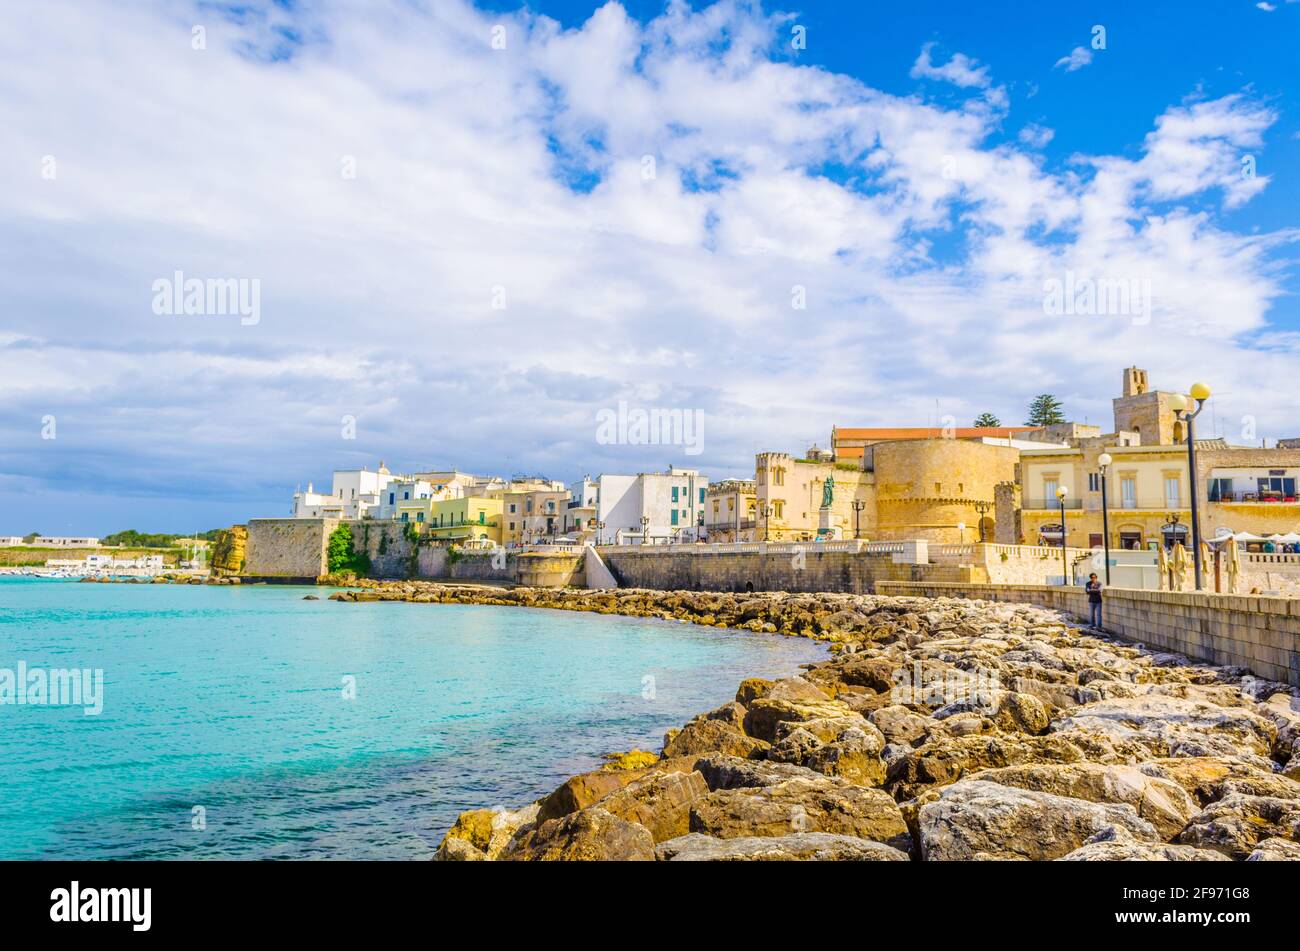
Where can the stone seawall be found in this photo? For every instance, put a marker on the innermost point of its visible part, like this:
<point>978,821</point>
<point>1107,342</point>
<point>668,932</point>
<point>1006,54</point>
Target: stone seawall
<point>1258,633</point>
<point>809,570</point>
<point>287,548</point>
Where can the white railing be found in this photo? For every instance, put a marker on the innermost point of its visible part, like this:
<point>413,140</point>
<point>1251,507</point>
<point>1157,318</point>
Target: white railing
<point>1269,558</point>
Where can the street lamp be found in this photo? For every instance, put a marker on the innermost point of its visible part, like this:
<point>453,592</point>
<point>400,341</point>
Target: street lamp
<point>699,530</point>
<point>1104,461</point>
<point>1061,493</point>
<point>961,532</point>
<point>1187,408</point>
<point>981,508</point>
<point>645,529</point>
<point>765,512</point>
<point>600,532</point>
<point>858,506</point>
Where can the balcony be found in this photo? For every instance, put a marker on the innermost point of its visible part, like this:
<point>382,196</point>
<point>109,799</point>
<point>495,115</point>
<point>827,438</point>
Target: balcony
<point>1052,505</point>
<point>1266,497</point>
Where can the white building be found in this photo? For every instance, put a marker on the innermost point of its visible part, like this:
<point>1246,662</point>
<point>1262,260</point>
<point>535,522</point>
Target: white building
<point>405,490</point>
<point>672,503</point>
<point>356,493</point>
<point>50,541</point>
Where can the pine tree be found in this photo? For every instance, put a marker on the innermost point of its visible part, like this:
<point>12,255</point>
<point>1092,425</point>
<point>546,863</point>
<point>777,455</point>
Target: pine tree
<point>1045,410</point>
<point>987,419</point>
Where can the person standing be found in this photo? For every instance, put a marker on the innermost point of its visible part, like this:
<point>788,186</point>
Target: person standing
<point>1093,587</point>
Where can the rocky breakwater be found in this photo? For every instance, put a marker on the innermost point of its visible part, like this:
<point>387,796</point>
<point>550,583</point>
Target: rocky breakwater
<point>940,730</point>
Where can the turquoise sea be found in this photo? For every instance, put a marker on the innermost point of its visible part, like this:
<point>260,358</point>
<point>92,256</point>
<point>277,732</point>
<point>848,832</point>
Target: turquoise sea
<point>232,700</point>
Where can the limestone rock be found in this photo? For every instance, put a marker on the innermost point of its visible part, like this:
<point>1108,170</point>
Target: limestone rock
<point>945,760</point>
<point>583,790</point>
<point>763,715</point>
<point>589,835</point>
<point>1162,802</point>
<point>980,820</point>
<point>1236,824</point>
<point>1275,850</point>
<point>802,805</point>
<point>712,736</point>
<point>798,846</point>
<point>752,689</point>
<point>900,725</point>
<point>854,755</point>
<point>1112,845</point>
<point>1172,727</point>
<point>732,772</point>
<point>486,831</point>
<point>660,802</point>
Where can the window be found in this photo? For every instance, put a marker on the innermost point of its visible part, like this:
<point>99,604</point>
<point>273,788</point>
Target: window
<point>674,493</point>
<point>1128,492</point>
<point>392,497</point>
<point>512,526</point>
<point>406,495</point>
<point>406,516</point>
<point>1220,490</point>
<point>1049,491</point>
<point>674,514</point>
<point>1171,491</point>
<point>1094,481</point>
<point>482,515</point>
<point>778,509</point>
<point>419,517</point>
<point>701,496</point>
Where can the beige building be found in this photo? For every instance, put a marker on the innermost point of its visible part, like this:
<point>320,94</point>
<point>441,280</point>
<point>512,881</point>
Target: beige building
<point>939,489</point>
<point>532,510</point>
<point>1238,489</point>
<point>729,511</point>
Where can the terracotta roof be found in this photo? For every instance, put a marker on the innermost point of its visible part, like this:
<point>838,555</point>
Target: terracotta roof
<point>922,432</point>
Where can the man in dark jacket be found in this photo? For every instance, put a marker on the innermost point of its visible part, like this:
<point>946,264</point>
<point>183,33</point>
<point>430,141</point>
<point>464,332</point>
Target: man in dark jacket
<point>1093,587</point>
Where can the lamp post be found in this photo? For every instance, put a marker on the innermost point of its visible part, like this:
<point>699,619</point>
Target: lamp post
<point>858,506</point>
<point>699,530</point>
<point>1061,493</point>
<point>765,512</point>
<point>1103,462</point>
<point>645,529</point>
<point>1187,408</point>
<point>981,508</point>
<point>961,533</point>
<point>600,532</point>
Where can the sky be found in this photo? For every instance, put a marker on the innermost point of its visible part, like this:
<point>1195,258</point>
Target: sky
<point>462,232</point>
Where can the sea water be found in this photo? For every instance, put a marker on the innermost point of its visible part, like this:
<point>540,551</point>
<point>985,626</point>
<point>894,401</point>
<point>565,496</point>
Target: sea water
<point>246,722</point>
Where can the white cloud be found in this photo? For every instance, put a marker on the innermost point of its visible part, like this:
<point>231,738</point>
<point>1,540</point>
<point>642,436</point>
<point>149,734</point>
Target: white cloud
<point>961,70</point>
<point>922,245</point>
<point>1268,7</point>
<point>1036,136</point>
<point>1077,58</point>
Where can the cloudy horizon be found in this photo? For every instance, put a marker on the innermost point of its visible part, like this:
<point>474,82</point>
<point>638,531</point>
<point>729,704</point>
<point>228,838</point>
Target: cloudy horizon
<point>471,230</point>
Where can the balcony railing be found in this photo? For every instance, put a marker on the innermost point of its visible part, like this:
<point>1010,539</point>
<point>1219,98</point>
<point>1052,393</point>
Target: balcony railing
<point>1052,504</point>
<point>1264,498</point>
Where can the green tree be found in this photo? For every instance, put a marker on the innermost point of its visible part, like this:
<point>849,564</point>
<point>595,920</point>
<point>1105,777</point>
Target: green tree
<point>987,419</point>
<point>340,556</point>
<point>1045,410</point>
<point>31,537</point>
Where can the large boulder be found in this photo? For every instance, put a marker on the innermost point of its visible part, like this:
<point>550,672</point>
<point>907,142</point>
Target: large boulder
<point>1237,823</point>
<point>589,835</point>
<point>732,772</point>
<point>1010,712</point>
<point>944,760</point>
<point>1206,778</point>
<point>581,791</point>
<point>1275,850</point>
<point>712,736</point>
<point>982,820</point>
<point>1170,726</point>
<point>796,847</point>
<point>660,802</point>
<point>1160,801</point>
<point>483,833</point>
<point>763,715</point>
<point>1114,845</point>
<point>802,805</point>
<point>900,725</point>
<point>854,755</point>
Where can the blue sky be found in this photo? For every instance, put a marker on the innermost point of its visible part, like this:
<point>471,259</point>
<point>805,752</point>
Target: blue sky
<point>919,171</point>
